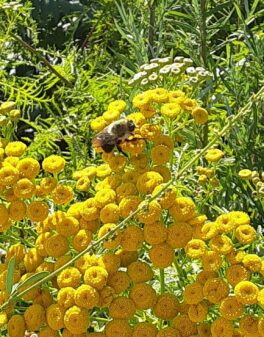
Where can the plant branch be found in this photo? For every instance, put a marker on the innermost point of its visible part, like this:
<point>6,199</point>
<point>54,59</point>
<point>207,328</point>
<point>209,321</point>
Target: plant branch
<point>42,59</point>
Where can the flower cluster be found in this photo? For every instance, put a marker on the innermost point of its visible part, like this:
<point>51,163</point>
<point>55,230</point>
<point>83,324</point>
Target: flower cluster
<point>256,179</point>
<point>118,283</point>
<point>8,113</point>
<point>180,68</point>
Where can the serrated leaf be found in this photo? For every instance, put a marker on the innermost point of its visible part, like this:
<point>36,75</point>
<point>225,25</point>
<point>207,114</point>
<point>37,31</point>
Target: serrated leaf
<point>10,275</point>
<point>32,279</point>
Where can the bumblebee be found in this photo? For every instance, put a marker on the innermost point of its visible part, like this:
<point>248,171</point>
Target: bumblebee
<point>114,135</point>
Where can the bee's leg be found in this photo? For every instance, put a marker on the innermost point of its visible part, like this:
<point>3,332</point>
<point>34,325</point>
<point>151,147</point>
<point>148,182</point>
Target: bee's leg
<point>120,150</point>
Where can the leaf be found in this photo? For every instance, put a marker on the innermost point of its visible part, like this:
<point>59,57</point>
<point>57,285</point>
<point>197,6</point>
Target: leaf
<point>32,279</point>
<point>10,275</point>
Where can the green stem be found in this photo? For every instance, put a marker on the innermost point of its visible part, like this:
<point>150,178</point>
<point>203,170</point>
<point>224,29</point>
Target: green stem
<point>42,58</point>
<point>162,281</point>
<point>255,97</point>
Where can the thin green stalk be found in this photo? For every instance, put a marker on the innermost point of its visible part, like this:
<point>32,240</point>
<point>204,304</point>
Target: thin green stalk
<point>203,33</point>
<point>255,97</point>
<point>162,281</point>
<point>43,59</point>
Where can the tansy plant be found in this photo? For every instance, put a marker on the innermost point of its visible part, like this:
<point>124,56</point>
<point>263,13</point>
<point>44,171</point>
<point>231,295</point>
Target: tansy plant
<point>135,258</point>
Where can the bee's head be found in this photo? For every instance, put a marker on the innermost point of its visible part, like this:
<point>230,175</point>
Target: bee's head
<point>131,125</point>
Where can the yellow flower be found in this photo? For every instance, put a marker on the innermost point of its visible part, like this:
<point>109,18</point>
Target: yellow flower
<point>235,256</point>
<point>221,244</point>
<point>179,234</point>
<point>122,308</point>
<point>161,255</point>
<point>168,332</point>
<point>53,164</point>
<point>170,110</point>
<point>184,325</point>
<point>118,328</point>
<point>98,124</point>
<point>96,277</point>
<point>166,307</point>
<point>150,213</point>
<point>148,181</point>
<point>246,234</point>
<point>150,132</point>
<point>200,115</point>
<point>141,100</point>
<point>145,329</point>
<point>211,261</point>
<point>48,184</point>
<point>103,171</point>
<point>4,216</point>
<point>111,262</point>
<point>76,320</point>
<point>222,327</point>
<point>119,105</point>
<point>195,248</point>
<point>37,211</point>
<point>230,308</point>
<point>117,163</point>
<point>147,110</point>
<point>55,315</point>
<point>226,223</point>
<point>109,213</point>
<point>128,205</point>
<point>214,155</point>
<point>16,326</point>
<point>15,149</point>
<point>48,332</point>
<point>83,184</point>
<point>32,260</point>
<point>126,258</point>
<point>28,168</point>
<point>67,226</point>
<point>82,239</point>
<point>17,210</point>
<point>119,281</point>
<point>69,277</point>
<point>143,295</point>
<point>187,104</point>
<point>17,250</point>
<point>86,297</point>
<point>138,118</point>
<point>245,174</point>
<point>139,272</point>
<point>6,107</point>
<point>111,115</point>
<point>125,189</point>
<point>155,233</point>
<point>9,175</point>
<point>252,262</point>
<point>215,290</point>
<point>198,312</point>
<point>34,317</point>
<point>240,218</point>
<point>62,194</point>
<point>205,275</point>
<point>24,188</point>
<point>104,197</point>
<point>65,297</point>
<point>132,238</point>
<point>204,330</point>
<point>111,241</point>
<point>248,326</point>
<point>160,154</point>
<point>193,293</point>
<point>106,296</point>
<point>246,292</point>
<point>183,209</point>
<point>237,273</point>
<point>89,210</point>
<point>261,298</point>
<point>159,95</point>
<point>56,245</point>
